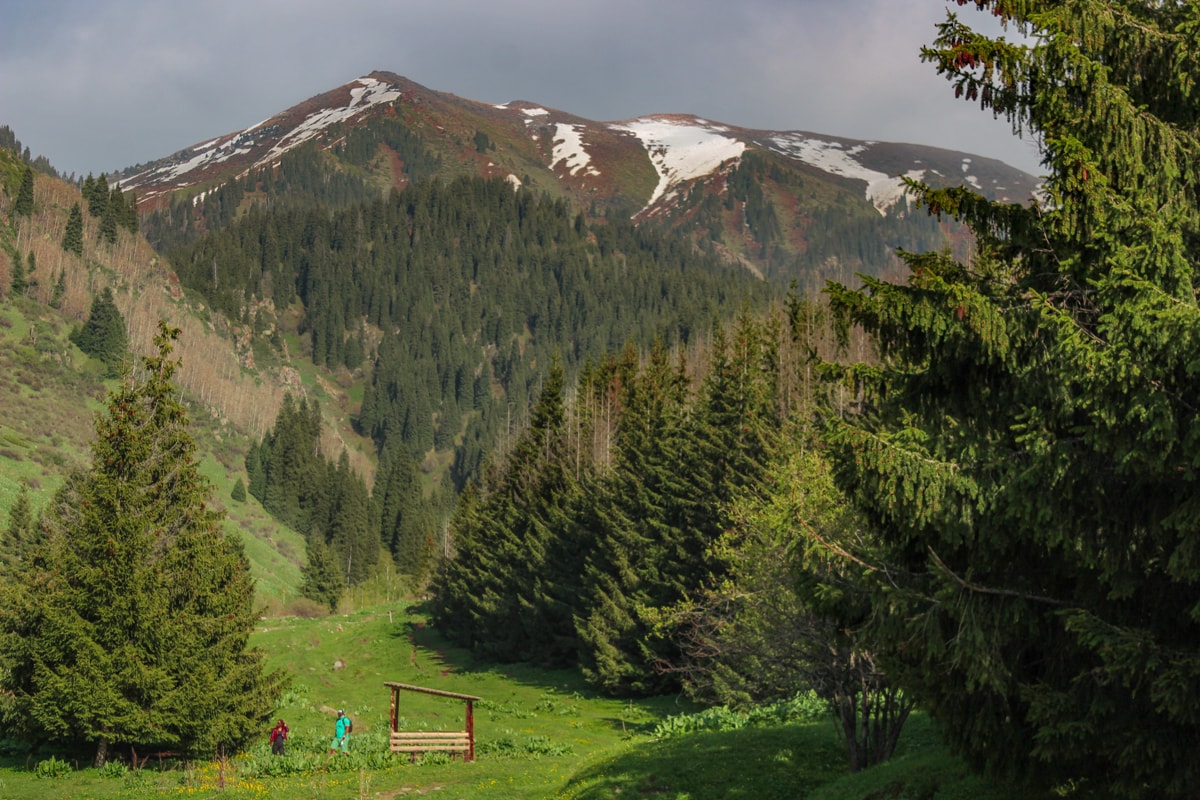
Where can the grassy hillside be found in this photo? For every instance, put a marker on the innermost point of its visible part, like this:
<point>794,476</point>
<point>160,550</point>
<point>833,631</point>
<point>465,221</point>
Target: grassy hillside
<point>540,734</point>
<point>50,391</point>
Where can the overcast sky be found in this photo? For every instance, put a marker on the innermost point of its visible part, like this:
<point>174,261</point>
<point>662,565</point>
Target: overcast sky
<point>97,85</point>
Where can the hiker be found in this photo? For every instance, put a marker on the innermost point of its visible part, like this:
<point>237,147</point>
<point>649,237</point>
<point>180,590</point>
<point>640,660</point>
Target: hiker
<point>278,737</point>
<point>341,732</point>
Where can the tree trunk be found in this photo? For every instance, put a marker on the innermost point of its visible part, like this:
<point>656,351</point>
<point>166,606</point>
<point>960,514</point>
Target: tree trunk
<point>102,751</point>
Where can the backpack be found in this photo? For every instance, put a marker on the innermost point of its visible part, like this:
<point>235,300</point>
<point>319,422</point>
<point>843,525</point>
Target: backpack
<point>349,725</point>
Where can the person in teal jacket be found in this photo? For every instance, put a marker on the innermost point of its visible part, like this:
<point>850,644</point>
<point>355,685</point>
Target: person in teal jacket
<point>341,733</point>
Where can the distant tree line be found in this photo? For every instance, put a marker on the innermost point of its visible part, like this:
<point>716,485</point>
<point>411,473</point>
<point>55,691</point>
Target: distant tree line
<point>305,177</point>
<point>114,208</point>
<point>9,141</point>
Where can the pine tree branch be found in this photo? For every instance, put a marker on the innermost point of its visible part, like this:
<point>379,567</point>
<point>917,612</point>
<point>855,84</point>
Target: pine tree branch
<point>976,588</point>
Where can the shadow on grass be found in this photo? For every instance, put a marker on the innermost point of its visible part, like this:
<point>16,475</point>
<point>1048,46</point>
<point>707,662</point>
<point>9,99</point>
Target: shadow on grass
<point>449,658</point>
<point>786,762</point>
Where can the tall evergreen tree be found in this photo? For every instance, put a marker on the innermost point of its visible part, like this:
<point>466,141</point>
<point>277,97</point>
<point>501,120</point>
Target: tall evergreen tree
<point>19,283</point>
<point>72,240</point>
<point>515,560</point>
<point>633,518</point>
<point>322,581</point>
<point>460,576</point>
<point>108,224</point>
<point>23,206</point>
<point>406,527</point>
<point>131,625</point>
<point>1028,445</point>
<point>103,332</point>
<point>20,537</point>
<point>551,556</point>
<point>256,472</point>
<point>129,211</point>
<point>348,530</point>
<point>95,192</point>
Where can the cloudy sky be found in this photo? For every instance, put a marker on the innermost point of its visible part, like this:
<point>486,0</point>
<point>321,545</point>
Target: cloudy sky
<point>97,85</point>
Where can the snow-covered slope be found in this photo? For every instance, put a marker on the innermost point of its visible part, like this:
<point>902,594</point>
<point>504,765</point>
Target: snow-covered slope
<point>261,144</point>
<point>681,149</point>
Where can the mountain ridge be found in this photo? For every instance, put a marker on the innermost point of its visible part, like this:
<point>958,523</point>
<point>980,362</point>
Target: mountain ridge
<point>580,153</point>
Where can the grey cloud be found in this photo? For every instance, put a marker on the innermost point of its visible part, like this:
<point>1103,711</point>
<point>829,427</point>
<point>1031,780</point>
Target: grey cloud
<point>98,86</point>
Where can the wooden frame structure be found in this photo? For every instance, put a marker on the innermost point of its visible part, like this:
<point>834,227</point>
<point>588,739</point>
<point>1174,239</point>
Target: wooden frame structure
<point>413,742</point>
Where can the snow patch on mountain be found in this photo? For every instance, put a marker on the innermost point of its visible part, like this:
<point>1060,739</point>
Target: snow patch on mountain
<point>883,190</point>
<point>206,157</point>
<point>371,92</point>
<point>568,147</point>
<point>682,151</point>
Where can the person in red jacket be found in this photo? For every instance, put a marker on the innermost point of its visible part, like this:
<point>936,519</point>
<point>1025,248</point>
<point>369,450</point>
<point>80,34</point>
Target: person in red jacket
<point>278,737</point>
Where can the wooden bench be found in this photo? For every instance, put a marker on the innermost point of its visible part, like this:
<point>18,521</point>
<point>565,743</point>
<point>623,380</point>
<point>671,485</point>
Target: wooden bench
<point>413,742</point>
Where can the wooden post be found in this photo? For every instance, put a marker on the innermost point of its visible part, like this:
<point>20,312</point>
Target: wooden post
<point>470,730</point>
<point>395,711</point>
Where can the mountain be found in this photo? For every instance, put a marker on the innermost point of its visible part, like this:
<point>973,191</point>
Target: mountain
<point>423,322</point>
<point>782,203</point>
<point>414,328</point>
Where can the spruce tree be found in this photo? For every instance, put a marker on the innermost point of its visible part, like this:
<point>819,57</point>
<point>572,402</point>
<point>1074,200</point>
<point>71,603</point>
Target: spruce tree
<point>322,581</point>
<point>103,332</point>
<point>1027,447</point>
<point>19,282</point>
<point>88,187</point>
<point>256,472</point>
<point>637,558</point>
<point>72,240</point>
<point>405,524</point>
<point>108,224</point>
<point>509,591</point>
<point>95,192</point>
<point>131,624</point>
<point>23,206</point>
<point>348,530</point>
<point>129,219</point>
<point>19,539</point>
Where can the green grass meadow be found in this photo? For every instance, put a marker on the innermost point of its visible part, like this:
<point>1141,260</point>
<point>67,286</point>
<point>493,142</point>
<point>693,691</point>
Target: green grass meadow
<point>539,734</point>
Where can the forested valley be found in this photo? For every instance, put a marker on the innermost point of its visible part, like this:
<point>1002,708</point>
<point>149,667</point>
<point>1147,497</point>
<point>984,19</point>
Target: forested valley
<point>965,494</point>
<point>452,300</point>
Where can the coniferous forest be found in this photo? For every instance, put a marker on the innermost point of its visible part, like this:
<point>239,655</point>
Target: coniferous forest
<point>454,299</point>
